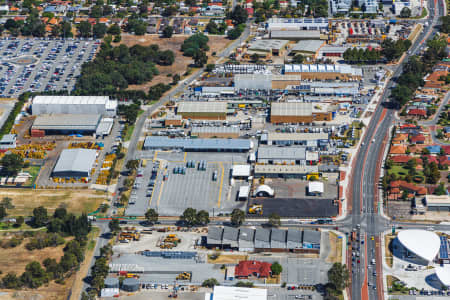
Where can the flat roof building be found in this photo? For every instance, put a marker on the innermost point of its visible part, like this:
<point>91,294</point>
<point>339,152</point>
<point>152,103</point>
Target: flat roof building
<point>284,171</point>
<point>246,239</point>
<point>298,112</point>
<point>216,132</point>
<point>214,238</point>
<point>237,293</point>
<point>74,105</point>
<point>284,138</point>
<point>288,24</point>
<point>293,239</point>
<point>307,47</point>
<point>437,203</point>
<point>296,35</point>
<point>262,239</point>
<point>278,239</point>
<point>311,239</point>
<point>67,123</point>
<point>324,72</point>
<point>8,141</point>
<point>197,145</point>
<point>207,110</point>
<point>75,163</point>
<point>230,237</point>
<point>267,48</point>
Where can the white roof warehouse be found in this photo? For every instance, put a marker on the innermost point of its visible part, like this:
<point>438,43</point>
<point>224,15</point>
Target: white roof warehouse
<point>75,163</point>
<point>74,105</point>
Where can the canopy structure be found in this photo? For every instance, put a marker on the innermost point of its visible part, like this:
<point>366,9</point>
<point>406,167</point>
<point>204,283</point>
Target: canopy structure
<point>443,274</point>
<point>424,244</point>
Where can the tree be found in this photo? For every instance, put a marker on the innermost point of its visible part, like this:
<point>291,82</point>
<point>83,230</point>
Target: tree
<point>445,27</point>
<point>440,190</point>
<point>239,15</point>
<point>85,28</point>
<point>3,212</point>
<point>167,32</point>
<point>237,217</point>
<point>11,164</point>
<point>202,217</point>
<point>298,59</point>
<point>274,220</point>
<point>99,30</point>
<point>114,29</point>
<point>276,268</point>
<point>19,221</point>
<point>189,215</point>
<point>166,58</point>
<point>175,79</point>
<point>11,281</point>
<point>132,164</point>
<point>40,217</point>
<point>210,67</point>
<point>210,283</point>
<point>200,58</point>
<point>254,57</point>
<point>338,276</point>
<point>114,226</point>
<point>151,215</point>
<point>405,12</point>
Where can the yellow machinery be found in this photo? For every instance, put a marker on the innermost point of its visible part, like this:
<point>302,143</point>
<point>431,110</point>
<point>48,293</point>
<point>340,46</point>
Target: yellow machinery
<point>255,209</point>
<point>130,234</point>
<point>184,276</point>
<point>315,174</point>
<point>132,275</point>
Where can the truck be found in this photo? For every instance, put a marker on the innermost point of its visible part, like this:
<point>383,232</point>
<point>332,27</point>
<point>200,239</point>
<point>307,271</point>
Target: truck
<point>353,237</point>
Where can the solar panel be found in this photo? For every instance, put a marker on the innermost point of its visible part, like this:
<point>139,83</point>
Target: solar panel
<point>443,250</point>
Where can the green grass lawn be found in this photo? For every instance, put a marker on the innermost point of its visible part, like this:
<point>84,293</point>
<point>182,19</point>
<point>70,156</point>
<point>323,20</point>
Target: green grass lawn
<point>128,133</point>
<point>34,172</point>
<point>400,171</point>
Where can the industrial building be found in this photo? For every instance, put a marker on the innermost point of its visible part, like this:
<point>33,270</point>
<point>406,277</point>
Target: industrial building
<point>236,293</point>
<point>8,141</point>
<point>307,47</point>
<point>286,155</point>
<point>284,171</point>
<point>101,105</point>
<point>216,132</point>
<point>52,124</point>
<point>297,35</point>
<point>299,112</point>
<point>288,24</point>
<point>267,48</point>
<point>75,163</point>
<point>262,239</point>
<point>308,139</point>
<point>205,110</point>
<point>437,203</point>
<point>324,72</point>
<point>197,145</point>
<point>266,81</point>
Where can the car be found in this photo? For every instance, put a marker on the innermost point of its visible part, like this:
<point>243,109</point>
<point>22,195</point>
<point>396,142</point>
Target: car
<point>372,238</point>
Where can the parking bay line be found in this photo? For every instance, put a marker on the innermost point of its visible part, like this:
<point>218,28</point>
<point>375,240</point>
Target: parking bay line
<point>221,185</point>
<point>151,197</point>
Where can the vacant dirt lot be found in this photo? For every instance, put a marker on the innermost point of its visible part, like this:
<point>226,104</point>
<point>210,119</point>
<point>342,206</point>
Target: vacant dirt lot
<point>216,43</point>
<point>76,201</point>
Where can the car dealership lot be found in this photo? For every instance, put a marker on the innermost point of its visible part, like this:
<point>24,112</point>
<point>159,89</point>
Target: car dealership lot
<point>42,64</point>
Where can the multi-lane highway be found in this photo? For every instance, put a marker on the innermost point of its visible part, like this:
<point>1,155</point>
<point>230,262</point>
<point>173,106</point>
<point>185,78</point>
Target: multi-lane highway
<point>365,215</point>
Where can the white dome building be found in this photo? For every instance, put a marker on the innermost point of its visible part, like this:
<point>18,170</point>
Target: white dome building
<point>422,244</point>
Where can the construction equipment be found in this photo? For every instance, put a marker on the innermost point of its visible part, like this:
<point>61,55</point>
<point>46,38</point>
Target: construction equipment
<point>130,234</point>
<point>184,276</point>
<point>132,275</point>
<point>256,209</point>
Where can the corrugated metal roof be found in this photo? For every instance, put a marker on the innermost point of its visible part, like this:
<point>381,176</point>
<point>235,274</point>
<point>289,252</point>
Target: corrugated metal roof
<point>75,160</point>
<point>295,153</point>
<point>202,106</point>
<point>221,129</point>
<point>303,136</point>
<point>294,34</point>
<point>285,169</point>
<point>66,122</point>
<point>268,45</point>
<point>70,100</point>
<point>308,46</point>
<point>262,234</point>
<point>158,142</point>
<point>278,235</point>
<point>311,236</point>
<point>246,234</point>
<point>291,109</point>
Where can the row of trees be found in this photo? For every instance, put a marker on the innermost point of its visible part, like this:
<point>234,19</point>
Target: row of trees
<point>354,55</point>
<point>392,50</point>
<point>114,68</point>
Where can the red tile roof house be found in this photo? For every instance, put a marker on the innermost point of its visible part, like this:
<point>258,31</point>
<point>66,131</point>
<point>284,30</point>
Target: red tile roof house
<point>249,268</point>
<point>403,159</point>
<point>396,187</point>
<point>417,139</point>
<point>415,112</point>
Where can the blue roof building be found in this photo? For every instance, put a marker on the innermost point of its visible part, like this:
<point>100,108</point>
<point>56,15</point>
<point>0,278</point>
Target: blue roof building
<point>435,149</point>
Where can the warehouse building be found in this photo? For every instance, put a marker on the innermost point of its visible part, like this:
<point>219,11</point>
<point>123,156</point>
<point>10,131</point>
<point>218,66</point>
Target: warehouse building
<point>234,293</point>
<point>8,141</point>
<point>308,139</point>
<point>437,203</point>
<point>267,48</point>
<point>85,105</point>
<point>297,35</point>
<point>272,155</point>
<point>75,163</point>
<point>266,81</point>
<point>332,51</point>
<point>230,239</point>
<point>299,112</point>
<point>216,132</point>
<point>246,237</point>
<point>53,124</point>
<point>324,72</point>
<point>278,240</point>
<point>262,239</point>
<point>288,24</point>
<point>197,145</point>
<point>205,110</point>
<point>311,239</point>
<point>307,47</point>
<point>284,171</point>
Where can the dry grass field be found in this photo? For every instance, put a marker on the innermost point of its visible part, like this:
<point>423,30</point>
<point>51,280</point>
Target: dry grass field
<point>216,44</point>
<point>336,248</point>
<point>76,201</point>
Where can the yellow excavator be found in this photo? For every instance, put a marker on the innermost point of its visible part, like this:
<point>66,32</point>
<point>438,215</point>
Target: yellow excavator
<point>184,276</point>
<point>256,209</point>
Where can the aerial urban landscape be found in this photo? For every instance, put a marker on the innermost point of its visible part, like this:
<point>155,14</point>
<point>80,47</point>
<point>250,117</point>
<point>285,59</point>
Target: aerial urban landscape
<point>225,150</point>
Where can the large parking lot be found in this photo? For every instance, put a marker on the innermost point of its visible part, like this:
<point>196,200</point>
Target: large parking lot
<point>208,189</point>
<point>42,64</point>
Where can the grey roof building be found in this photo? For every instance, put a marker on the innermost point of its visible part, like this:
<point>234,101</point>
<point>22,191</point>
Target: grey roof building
<point>75,163</point>
<point>307,47</point>
<point>74,105</point>
<point>246,237</point>
<point>295,35</point>
<point>201,145</point>
<point>272,155</point>
<point>8,141</point>
<point>294,239</point>
<point>230,237</point>
<point>262,238</point>
<point>278,239</point>
<point>311,238</point>
<point>67,123</point>
<point>214,237</point>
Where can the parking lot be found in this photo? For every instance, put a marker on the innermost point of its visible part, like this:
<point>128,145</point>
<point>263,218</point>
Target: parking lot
<point>171,191</point>
<point>42,64</point>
